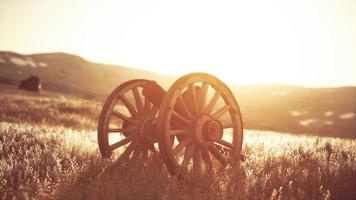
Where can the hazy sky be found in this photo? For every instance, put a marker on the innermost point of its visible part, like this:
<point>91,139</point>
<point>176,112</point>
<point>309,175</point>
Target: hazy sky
<point>304,42</point>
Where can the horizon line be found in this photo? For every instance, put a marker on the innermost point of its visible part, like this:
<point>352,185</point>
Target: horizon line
<point>176,75</point>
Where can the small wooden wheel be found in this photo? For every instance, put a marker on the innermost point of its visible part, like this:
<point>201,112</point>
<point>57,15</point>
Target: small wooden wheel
<point>125,122</point>
<point>203,115</point>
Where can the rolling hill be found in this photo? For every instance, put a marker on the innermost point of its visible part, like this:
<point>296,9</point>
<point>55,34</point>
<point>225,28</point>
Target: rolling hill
<point>69,74</point>
<point>286,108</point>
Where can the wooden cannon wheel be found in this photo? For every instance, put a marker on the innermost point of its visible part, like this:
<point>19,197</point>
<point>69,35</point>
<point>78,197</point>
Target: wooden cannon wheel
<point>124,122</point>
<point>209,120</point>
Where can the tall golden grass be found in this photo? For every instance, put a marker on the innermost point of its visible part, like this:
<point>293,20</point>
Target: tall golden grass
<point>48,150</point>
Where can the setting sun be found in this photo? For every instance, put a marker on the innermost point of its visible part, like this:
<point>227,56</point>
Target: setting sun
<point>309,43</point>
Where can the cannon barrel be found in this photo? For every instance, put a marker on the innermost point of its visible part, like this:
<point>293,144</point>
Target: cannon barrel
<point>155,94</point>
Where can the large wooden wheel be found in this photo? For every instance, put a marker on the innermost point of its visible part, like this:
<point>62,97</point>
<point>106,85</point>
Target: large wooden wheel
<point>203,115</point>
<point>124,123</point>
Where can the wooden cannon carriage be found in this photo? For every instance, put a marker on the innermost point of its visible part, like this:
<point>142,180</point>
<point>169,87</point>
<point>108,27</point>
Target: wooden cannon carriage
<point>195,126</point>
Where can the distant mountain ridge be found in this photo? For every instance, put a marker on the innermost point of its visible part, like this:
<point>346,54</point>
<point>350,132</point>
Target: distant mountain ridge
<point>278,107</point>
<point>69,73</point>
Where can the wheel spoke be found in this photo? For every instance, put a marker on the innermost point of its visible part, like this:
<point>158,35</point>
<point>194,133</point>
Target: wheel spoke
<point>212,102</point>
<point>116,130</point>
<point>202,95</point>
<point>228,125</point>
<point>215,152</point>
<point>136,153</point>
<point>123,117</point>
<point>130,130</point>
<point>138,99</point>
<point>153,111</point>
<point>188,155</point>
<point>179,132</point>
<point>197,162</point>
<point>221,111</point>
<point>193,96</point>
<point>128,105</point>
<point>121,142</point>
<point>179,117</point>
<point>127,152</point>
<point>186,109</point>
<point>225,143</point>
<point>181,145</point>
<point>206,158</point>
<point>147,107</point>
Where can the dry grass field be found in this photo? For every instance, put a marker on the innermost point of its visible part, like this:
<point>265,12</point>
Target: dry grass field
<point>48,150</point>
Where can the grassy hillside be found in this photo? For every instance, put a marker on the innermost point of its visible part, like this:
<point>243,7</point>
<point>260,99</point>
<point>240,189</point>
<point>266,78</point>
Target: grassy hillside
<point>70,74</point>
<point>48,150</point>
<point>320,111</point>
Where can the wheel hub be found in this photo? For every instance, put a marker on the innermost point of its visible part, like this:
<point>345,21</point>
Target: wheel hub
<point>146,130</point>
<point>206,128</point>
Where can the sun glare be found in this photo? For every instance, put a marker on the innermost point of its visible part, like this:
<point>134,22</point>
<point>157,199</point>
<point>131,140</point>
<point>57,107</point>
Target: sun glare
<point>308,43</point>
